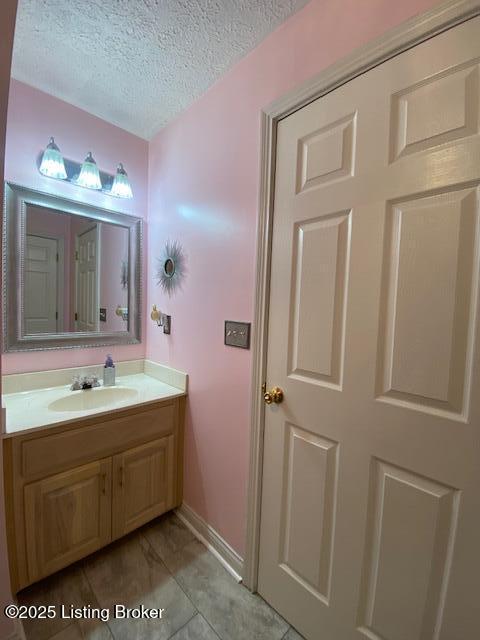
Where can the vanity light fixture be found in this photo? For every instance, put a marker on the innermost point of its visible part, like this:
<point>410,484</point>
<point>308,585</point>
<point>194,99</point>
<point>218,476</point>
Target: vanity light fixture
<point>52,164</point>
<point>89,174</point>
<point>121,186</point>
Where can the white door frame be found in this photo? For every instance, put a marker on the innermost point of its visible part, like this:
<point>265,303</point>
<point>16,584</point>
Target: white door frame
<point>61,285</point>
<point>407,35</point>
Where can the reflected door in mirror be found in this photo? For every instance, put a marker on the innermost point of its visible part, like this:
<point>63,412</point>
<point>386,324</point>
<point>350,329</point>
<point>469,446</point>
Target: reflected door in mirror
<point>87,280</point>
<point>41,285</point>
<point>76,266</point>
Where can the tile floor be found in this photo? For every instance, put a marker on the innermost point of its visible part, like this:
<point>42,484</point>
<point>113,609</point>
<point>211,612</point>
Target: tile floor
<point>161,565</point>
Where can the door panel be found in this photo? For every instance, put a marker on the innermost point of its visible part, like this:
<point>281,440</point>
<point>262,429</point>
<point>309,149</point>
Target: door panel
<point>410,538</point>
<point>67,516</point>
<point>88,267</point>
<point>439,111</point>
<point>311,477</point>
<point>431,272</point>
<point>327,155</point>
<point>41,284</point>
<point>321,258</point>
<point>144,485</point>
<point>371,499</point>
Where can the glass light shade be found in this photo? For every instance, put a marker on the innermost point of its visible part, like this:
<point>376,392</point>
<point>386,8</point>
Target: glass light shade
<point>52,164</point>
<point>121,186</point>
<point>89,175</point>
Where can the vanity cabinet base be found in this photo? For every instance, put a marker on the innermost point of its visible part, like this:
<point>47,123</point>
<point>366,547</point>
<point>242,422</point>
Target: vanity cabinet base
<point>143,485</point>
<point>67,516</point>
<point>115,486</point>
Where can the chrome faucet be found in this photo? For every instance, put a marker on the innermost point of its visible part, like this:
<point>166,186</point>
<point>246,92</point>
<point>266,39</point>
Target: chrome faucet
<point>84,382</point>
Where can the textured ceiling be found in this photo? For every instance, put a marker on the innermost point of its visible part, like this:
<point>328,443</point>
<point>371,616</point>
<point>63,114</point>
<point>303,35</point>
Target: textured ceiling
<point>137,63</point>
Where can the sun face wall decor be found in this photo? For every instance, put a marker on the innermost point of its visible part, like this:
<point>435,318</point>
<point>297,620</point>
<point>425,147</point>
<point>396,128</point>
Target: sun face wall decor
<point>171,267</point>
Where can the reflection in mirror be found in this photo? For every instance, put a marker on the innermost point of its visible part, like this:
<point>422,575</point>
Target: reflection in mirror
<point>169,267</point>
<point>74,273</point>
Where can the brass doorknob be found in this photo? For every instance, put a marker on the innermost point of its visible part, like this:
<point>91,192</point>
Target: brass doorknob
<point>275,395</point>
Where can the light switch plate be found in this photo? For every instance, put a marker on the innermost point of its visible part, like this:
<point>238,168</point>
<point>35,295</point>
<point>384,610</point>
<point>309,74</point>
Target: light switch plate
<point>237,334</point>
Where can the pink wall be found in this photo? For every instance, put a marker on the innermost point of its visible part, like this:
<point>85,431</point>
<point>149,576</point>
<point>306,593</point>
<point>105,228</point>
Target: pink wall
<point>8,10</point>
<point>34,116</point>
<point>203,191</point>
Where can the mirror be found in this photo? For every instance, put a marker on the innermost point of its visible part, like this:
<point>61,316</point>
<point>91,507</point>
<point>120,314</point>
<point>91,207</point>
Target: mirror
<point>72,273</point>
<point>74,276</point>
<point>169,268</point>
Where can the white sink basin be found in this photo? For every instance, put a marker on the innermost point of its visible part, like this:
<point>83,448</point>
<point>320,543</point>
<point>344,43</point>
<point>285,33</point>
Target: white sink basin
<point>99,398</point>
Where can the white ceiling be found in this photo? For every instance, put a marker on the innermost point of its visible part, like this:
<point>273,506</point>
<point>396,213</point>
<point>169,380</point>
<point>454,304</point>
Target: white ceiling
<point>137,63</point>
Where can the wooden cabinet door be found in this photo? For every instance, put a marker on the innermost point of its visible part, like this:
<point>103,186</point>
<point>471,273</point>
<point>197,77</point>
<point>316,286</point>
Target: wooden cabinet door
<point>143,484</point>
<point>67,516</point>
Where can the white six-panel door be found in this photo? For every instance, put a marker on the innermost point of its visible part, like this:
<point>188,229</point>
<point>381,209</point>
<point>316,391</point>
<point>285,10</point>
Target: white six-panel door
<point>87,280</point>
<point>41,285</point>
<point>370,523</point>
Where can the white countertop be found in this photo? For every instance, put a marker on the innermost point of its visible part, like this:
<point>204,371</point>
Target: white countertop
<point>30,409</point>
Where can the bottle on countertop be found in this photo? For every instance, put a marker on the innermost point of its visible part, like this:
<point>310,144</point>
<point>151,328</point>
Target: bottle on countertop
<point>109,372</point>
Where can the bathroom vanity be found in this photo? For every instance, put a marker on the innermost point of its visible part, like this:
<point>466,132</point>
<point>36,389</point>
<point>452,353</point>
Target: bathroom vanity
<point>91,475</point>
<point>81,467</point>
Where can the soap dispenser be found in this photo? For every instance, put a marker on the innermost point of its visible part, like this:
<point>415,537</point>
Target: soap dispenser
<point>109,372</point>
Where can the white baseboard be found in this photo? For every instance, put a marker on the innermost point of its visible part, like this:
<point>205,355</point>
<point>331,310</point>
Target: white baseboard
<point>207,535</point>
